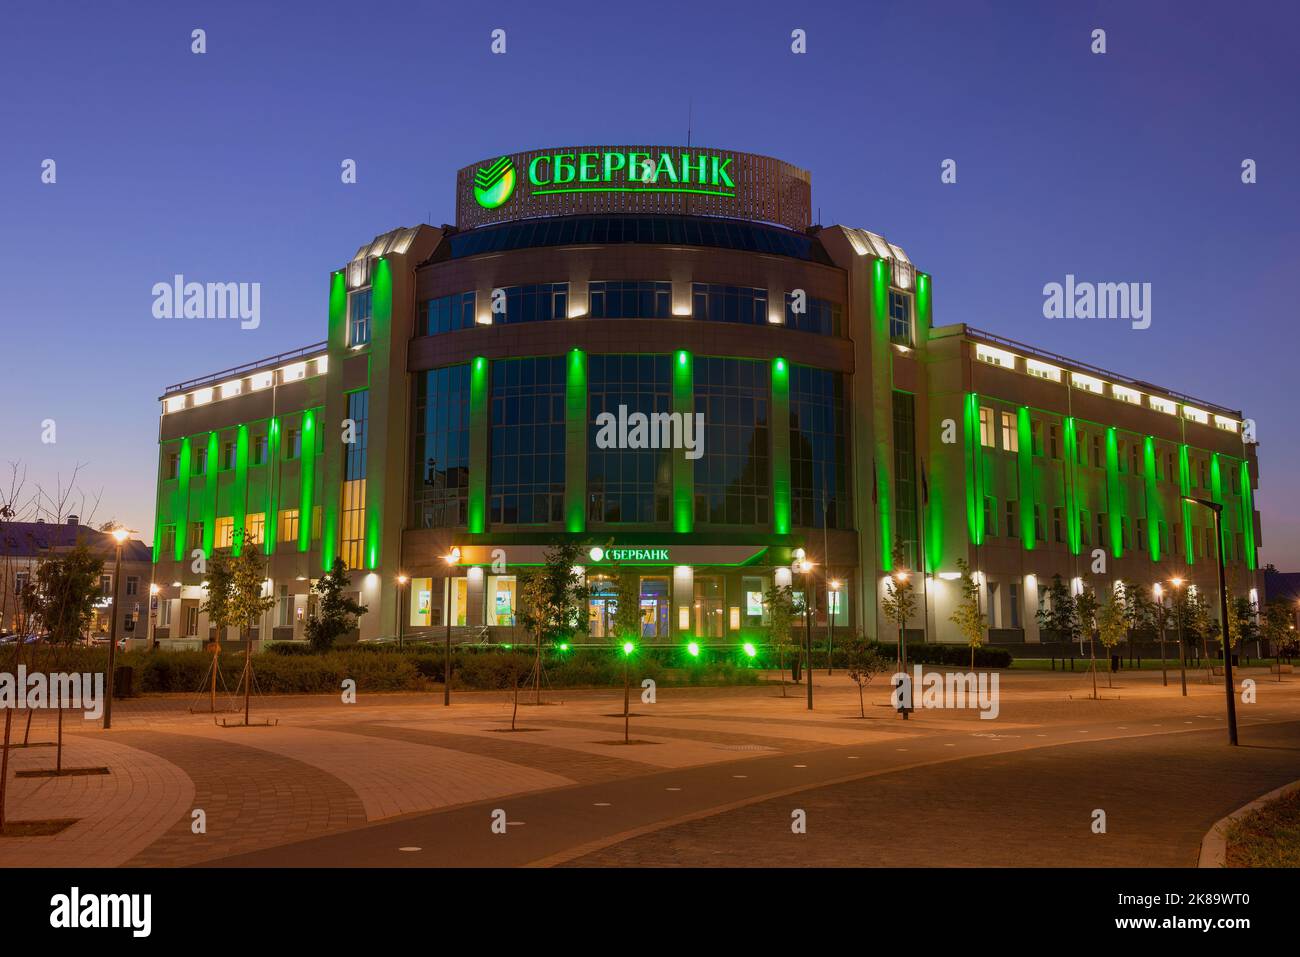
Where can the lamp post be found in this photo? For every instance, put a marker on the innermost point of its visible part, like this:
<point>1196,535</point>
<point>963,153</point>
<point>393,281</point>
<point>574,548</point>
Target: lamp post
<point>1160,600</point>
<point>119,536</point>
<point>1217,509</point>
<point>154,591</point>
<point>1182,649</point>
<point>806,567</point>
<point>833,603</point>
<point>452,558</point>
<point>901,577</point>
<point>401,584</point>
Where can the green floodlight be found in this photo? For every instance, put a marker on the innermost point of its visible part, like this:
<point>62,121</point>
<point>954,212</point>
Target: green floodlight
<point>628,647</point>
<point>693,648</point>
<point>564,646</point>
<point>749,649</point>
<point>507,647</point>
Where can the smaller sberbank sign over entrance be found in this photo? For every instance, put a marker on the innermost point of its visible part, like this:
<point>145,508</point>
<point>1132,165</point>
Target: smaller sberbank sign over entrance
<point>633,179</point>
<point>599,554</point>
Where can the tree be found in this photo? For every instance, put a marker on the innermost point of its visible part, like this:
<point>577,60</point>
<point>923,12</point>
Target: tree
<point>968,618</point>
<point>555,597</point>
<point>1139,612</point>
<point>898,604</point>
<point>779,602</point>
<point>1058,613</point>
<point>1277,629</point>
<point>248,604</point>
<point>1085,609</point>
<point>864,663</point>
<point>338,610</point>
<point>1241,622</point>
<point>1112,625</point>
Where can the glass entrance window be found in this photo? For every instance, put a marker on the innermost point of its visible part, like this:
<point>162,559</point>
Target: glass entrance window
<point>710,620</point>
<point>656,620</point>
<point>457,594</point>
<point>754,611</point>
<point>421,600</point>
<point>502,592</point>
<point>601,607</point>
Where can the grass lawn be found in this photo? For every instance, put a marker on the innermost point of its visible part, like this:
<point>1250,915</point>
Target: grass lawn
<point>1267,837</point>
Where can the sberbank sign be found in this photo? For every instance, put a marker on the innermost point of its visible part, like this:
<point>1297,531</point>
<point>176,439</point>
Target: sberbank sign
<point>599,554</point>
<point>620,171</point>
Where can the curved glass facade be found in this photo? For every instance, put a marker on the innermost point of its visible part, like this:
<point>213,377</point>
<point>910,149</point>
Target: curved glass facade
<point>819,485</point>
<point>624,484</point>
<point>440,448</point>
<point>526,443</point>
<point>733,482</point>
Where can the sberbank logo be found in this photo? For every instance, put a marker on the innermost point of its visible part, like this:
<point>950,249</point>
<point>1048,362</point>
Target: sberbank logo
<point>494,184</point>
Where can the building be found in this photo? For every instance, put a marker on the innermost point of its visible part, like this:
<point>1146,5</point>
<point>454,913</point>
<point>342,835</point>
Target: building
<point>450,426</point>
<point>24,545</point>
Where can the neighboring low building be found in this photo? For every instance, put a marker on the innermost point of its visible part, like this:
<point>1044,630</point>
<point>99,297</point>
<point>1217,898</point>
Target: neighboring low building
<point>24,545</point>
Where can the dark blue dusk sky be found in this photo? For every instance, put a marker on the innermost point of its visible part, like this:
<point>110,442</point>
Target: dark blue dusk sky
<point>225,167</point>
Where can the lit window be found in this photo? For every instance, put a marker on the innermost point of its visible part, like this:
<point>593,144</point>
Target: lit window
<point>359,309</point>
<point>1195,414</point>
<point>1043,370</point>
<point>201,396</point>
<point>986,427</point>
<point>233,388</point>
<point>996,357</point>
<point>1162,405</point>
<point>1086,382</point>
<point>1125,394</point>
<point>1010,438</point>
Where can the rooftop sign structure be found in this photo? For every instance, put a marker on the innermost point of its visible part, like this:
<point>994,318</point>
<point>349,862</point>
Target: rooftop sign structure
<point>676,180</point>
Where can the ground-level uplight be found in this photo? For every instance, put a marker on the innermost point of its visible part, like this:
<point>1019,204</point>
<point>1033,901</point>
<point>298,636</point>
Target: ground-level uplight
<point>693,649</point>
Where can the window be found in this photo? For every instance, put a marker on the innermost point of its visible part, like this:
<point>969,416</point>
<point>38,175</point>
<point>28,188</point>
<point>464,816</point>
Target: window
<point>1141,531</point>
<point>746,305</point>
<point>449,313</point>
<point>900,318</point>
<point>440,457</point>
<point>526,457</point>
<point>105,585</point>
<point>502,599</point>
<point>201,460</point>
<point>994,605</point>
<point>1085,528</point>
<point>164,614</point>
<point>732,478</point>
<point>259,449</point>
<point>227,455</point>
<point>905,497</point>
<point>819,450</point>
<point>1040,533</point>
<point>630,300</point>
<point>1135,459</point>
<point>191,621</point>
<point>628,484</point>
<point>1011,518</point>
<point>1052,447</point>
<point>1013,603</point>
<point>821,317</point>
<point>196,535</point>
<point>167,541</point>
<point>1010,438</point>
<point>987,438</point>
<point>254,528</point>
<point>990,516</point>
<point>288,525</point>
<point>1096,451</point>
<point>538,302</point>
<point>1170,473</point>
<point>359,307</point>
<point>284,608</point>
<point>293,444</point>
<point>353,537</point>
<point>1121,458</point>
<point>132,585</point>
<point>225,533</point>
<point>1036,435</point>
<point>1101,529</point>
<point>1057,521</point>
<point>173,466</point>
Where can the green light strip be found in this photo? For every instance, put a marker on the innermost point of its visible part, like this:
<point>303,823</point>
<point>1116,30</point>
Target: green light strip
<point>1185,488</point>
<point>479,381</point>
<point>634,189</point>
<point>210,496</point>
<point>575,441</point>
<point>1248,515</point>
<point>683,469</point>
<point>381,291</point>
<point>338,307</point>
<point>1025,464</point>
<point>780,446</point>
<point>1152,496</point>
<point>181,503</point>
<point>1114,495</point>
<point>271,526</point>
<point>883,451</point>
<point>1073,532</point>
<point>306,488</point>
<point>923,317</point>
<point>1216,479</point>
<point>974,471</point>
<point>239,494</point>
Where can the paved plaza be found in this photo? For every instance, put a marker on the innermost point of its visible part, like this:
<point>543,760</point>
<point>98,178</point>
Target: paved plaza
<point>713,777</point>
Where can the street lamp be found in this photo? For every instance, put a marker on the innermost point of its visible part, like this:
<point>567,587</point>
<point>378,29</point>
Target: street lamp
<point>806,567</point>
<point>154,591</point>
<point>401,583</point>
<point>833,601</point>
<point>900,577</point>
<point>1182,650</point>
<point>119,537</point>
<point>452,558</point>
<point>1217,509</point>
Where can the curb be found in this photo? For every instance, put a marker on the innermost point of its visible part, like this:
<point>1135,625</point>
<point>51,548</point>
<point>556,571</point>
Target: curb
<point>1214,846</point>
